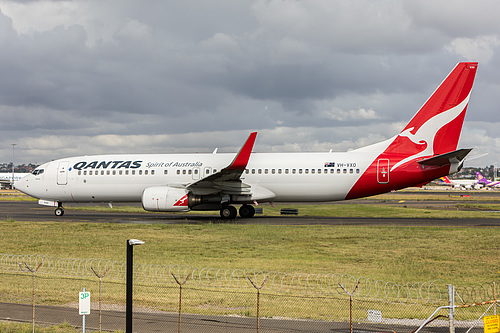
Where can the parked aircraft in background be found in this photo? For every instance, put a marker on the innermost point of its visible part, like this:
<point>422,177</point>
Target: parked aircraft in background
<point>424,150</point>
<point>464,184</point>
<point>6,180</point>
<point>482,180</point>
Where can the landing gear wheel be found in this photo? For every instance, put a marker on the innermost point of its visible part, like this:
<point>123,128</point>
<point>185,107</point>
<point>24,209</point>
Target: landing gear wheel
<point>247,211</point>
<point>228,212</point>
<point>59,211</point>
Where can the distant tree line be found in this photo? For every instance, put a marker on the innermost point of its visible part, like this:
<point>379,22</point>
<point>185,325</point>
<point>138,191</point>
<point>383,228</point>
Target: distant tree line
<point>7,167</point>
<point>470,173</point>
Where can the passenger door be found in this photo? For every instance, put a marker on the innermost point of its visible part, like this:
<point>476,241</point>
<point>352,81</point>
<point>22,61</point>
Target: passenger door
<point>383,171</point>
<point>62,173</point>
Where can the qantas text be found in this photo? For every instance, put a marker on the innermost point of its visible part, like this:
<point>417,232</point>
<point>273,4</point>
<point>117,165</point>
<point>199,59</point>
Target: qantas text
<point>107,164</point>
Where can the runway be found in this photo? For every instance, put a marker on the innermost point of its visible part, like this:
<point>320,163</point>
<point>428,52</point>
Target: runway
<point>31,211</point>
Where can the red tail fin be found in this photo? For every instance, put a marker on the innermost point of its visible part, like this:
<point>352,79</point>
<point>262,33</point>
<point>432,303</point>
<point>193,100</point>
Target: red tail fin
<point>430,138</point>
<point>436,127</point>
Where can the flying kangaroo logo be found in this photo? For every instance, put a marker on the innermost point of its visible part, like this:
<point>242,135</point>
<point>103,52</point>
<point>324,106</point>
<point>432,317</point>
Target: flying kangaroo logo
<point>182,201</point>
<point>426,134</point>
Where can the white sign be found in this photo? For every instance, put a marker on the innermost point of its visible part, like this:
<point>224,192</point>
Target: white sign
<point>375,316</point>
<point>84,303</point>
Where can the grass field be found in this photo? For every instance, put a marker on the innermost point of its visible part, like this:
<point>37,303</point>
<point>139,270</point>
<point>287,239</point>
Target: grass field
<point>462,256</point>
<point>400,254</point>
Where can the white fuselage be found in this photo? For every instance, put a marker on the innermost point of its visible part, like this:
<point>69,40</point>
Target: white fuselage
<point>115,178</point>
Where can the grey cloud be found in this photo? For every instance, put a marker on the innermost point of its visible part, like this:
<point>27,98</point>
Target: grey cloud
<point>198,71</point>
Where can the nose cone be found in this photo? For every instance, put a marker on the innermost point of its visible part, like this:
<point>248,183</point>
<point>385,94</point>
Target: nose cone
<point>23,184</point>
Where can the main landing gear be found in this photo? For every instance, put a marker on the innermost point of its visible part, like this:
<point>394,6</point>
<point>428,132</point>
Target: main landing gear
<point>229,212</point>
<point>59,210</point>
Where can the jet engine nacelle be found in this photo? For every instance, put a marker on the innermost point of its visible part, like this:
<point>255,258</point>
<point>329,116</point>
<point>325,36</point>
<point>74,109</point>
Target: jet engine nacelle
<point>165,199</point>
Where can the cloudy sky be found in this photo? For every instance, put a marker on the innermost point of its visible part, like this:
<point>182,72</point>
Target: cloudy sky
<point>97,77</point>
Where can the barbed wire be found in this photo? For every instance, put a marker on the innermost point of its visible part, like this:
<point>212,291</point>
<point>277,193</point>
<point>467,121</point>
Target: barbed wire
<point>279,282</point>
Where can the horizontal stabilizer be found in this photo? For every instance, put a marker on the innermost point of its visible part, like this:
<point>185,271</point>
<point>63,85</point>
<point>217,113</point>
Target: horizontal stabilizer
<point>456,156</point>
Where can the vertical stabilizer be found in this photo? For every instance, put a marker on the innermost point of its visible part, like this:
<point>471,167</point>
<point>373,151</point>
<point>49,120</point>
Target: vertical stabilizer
<point>436,127</point>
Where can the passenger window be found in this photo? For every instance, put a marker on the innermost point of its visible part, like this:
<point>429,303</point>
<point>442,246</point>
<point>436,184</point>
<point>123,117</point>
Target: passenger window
<point>107,172</point>
<point>351,171</point>
<point>85,172</point>
<point>253,171</point>
<point>306,171</point>
<point>102,172</point>
<point>247,171</point>
<point>279,171</point>
<point>126,172</point>
<point>178,172</point>
<point>266,171</point>
<point>293,171</point>
<point>286,171</point>
<point>273,171</point>
<point>114,172</point>
<point>300,171</point>
<point>79,172</point>
<point>165,172</point>
<point>120,172</point>
<point>260,171</point>
<point>140,172</point>
<point>345,170</point>
<point>357,170</point>
<point>312,170</point>
<point>145,172</point>
<point>133,172</point>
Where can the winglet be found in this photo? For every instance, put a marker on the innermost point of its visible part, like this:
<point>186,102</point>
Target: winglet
<point>241,159</point>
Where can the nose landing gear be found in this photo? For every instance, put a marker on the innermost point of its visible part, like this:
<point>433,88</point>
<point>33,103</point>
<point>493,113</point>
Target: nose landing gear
<point>59,210</point>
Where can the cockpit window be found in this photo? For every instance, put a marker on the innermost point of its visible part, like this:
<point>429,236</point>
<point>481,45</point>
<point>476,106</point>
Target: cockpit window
<point>37,172</point>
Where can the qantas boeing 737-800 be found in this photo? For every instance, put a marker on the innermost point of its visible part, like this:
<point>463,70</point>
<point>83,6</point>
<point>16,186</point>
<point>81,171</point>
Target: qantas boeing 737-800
<point>424,150</point>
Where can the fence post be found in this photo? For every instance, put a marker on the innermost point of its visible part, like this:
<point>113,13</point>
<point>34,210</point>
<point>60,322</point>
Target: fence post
<point>100,289</point>
<point>494,298</point>
<point>180,296</point>
<point>451,307</point>
<point>350,302</point>
<point>258,297</point>
<point>33,271</point>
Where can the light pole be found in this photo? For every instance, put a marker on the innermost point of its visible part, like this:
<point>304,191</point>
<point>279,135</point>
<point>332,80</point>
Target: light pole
<point>13,145</point>
<point>130,275</point>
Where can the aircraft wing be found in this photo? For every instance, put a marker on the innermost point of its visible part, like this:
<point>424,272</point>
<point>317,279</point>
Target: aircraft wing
<point>228,179</point>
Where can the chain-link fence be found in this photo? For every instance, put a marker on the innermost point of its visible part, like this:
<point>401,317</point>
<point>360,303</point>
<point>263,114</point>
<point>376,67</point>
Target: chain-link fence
<point>181,298</point>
